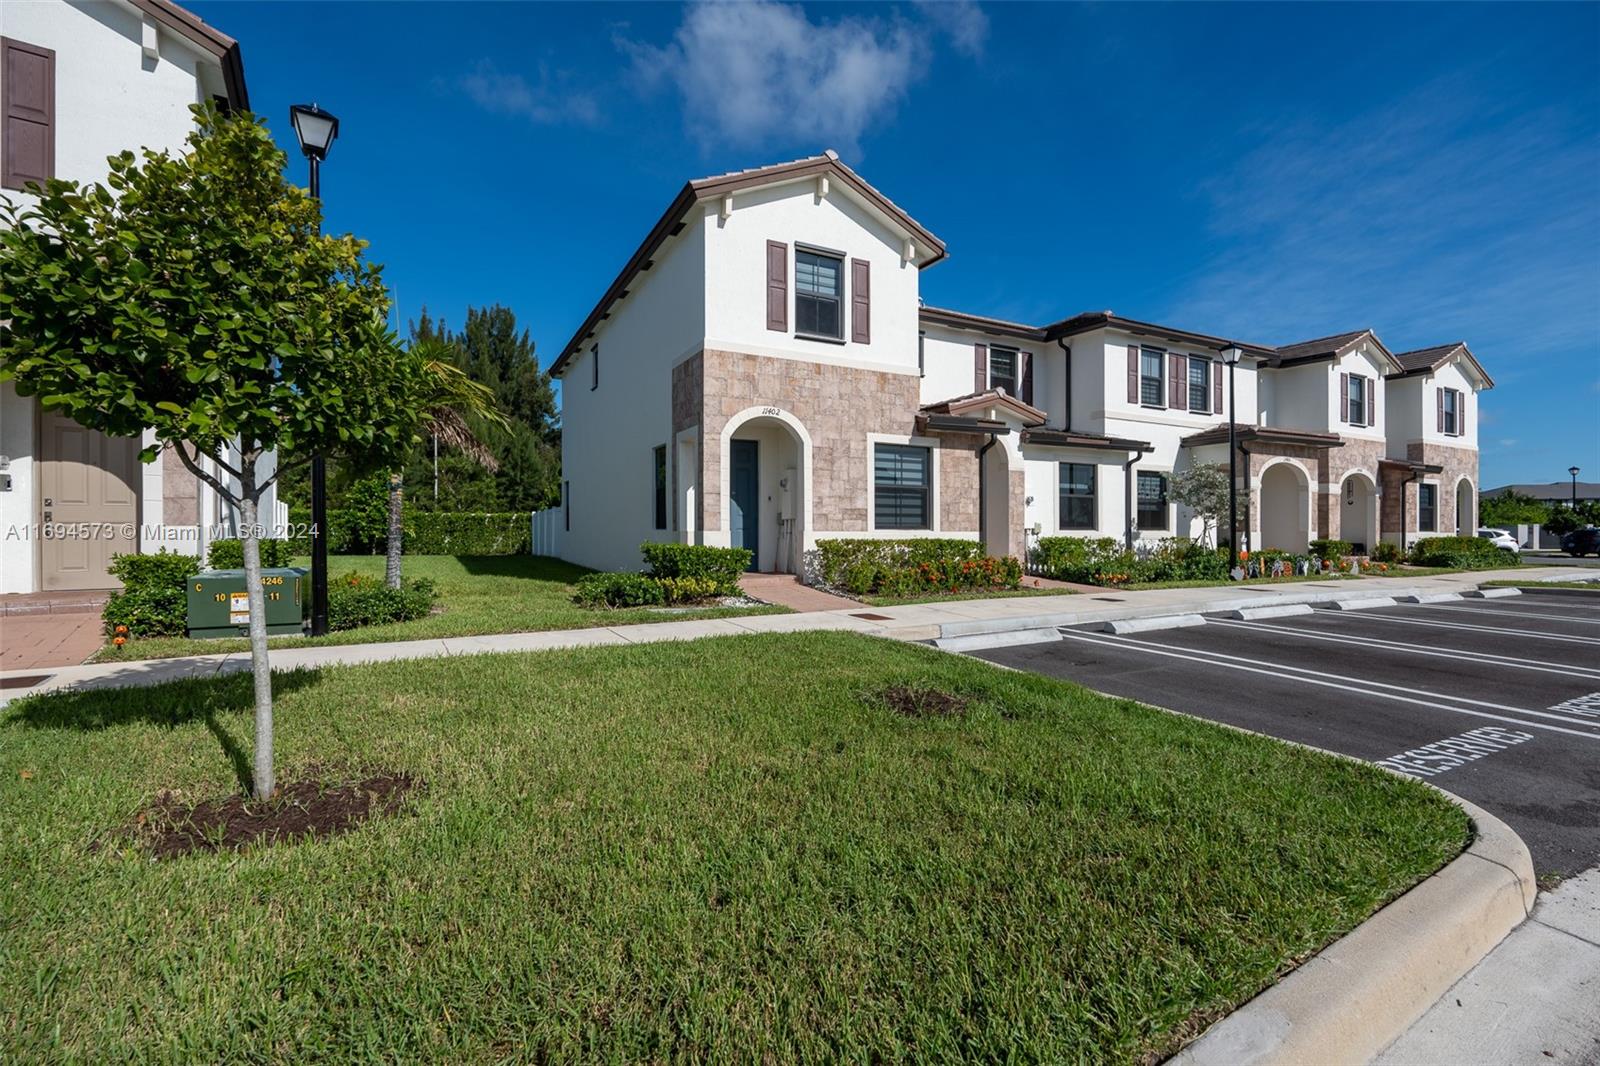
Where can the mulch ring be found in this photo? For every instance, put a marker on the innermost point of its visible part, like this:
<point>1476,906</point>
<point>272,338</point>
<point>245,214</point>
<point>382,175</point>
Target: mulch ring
<point>911,701</point>
<point>301,810</point>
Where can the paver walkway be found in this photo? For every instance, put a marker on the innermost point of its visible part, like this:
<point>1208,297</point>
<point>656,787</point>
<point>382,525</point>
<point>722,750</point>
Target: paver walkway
<point>44,629</point>
<point>923,621</point>
<point>785,590</point>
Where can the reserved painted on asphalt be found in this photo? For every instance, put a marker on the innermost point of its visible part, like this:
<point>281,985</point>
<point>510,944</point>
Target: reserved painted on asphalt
<point>1586,706</point>
<point>1452,752</point>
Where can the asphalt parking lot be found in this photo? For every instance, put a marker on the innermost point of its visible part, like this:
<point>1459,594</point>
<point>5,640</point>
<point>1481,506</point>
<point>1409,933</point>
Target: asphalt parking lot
<point>1495,700</point>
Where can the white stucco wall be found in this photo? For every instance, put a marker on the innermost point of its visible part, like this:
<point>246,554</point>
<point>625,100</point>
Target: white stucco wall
<point>609,433</point>
<point>793,213</point>
<point>1299,398</point>
<point>108,98</point>
<point>1449,376</point>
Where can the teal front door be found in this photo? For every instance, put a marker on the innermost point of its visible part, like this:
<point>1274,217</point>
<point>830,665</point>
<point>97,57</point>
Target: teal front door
<point>744,499</point>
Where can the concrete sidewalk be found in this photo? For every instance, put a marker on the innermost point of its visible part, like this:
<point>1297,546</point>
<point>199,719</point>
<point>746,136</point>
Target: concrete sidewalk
<point>931,621</point>
<point>1534,998</point>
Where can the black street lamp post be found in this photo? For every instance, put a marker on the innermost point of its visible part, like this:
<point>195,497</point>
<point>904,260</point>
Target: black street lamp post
<point>316,130</point>
<point>1230,356</point>
<point>1574,472</point>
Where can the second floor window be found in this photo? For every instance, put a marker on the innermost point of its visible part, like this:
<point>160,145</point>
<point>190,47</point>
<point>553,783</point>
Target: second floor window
<point>1199,385</point>
<point>1356,415</point>
<point>1077,496</point>
<point>817,294</point>
<point>1427,508</point>
<point>1003,369</point>
<point>1151,362</point>
<point>1452,412</point>
<point>1152,501</point>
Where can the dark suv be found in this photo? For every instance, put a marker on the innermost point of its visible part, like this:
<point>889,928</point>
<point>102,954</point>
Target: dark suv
<point>1581,542</point>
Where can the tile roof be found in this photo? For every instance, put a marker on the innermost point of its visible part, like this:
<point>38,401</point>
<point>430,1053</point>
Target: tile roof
<point>1320,346</point>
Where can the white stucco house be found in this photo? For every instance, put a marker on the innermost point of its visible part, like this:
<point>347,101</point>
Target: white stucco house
<point>81,81</point>
<point>764,373</point>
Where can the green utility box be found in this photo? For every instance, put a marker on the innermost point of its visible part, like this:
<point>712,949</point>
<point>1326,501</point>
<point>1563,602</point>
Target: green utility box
<point>219,605</point>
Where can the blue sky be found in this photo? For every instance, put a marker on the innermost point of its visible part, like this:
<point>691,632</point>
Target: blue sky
<point>1273,172</point>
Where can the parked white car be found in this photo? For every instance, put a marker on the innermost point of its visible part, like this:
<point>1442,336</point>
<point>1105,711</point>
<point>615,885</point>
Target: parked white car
<point>1500,539</point>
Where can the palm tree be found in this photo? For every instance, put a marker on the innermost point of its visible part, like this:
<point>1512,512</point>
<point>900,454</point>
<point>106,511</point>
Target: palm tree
<point>455,401</point>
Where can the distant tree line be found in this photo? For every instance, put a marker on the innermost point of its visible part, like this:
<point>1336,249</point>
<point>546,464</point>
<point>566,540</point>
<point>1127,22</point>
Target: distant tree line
<point>493,352</point>
<point>1516,509</point>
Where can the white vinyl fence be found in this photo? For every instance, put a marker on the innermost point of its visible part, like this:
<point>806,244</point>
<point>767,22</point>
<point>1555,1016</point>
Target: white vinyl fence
<point>549,530</point>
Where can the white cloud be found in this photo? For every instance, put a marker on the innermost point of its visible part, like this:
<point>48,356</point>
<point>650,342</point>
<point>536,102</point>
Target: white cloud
<point>512,94</point>
<point>1508,442</point>
<point>962,20</point>
<point>752,72</point>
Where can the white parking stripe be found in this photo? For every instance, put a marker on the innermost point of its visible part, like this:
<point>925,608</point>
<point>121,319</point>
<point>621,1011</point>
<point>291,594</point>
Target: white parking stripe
<point>1508,614</point>
<point>1443,653</point>
<point>1108,641</point>
<point>1558,637</point>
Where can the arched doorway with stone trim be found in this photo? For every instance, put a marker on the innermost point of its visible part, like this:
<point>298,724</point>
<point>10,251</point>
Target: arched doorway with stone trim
<point>1358,511</point>
<point>1284,501</point>
<point>765,487</point>
<point>1466,508</point>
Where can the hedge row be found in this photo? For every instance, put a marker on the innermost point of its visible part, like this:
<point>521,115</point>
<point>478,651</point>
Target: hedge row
<point>1461,553</point>
<point>912,566</point>
<point>426,533</point>
<point>679,574</point>
<point>1104,561</point>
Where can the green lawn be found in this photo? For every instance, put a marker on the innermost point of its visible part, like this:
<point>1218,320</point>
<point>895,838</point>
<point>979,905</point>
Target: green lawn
<point>705,851</point>
<point>477,594</point>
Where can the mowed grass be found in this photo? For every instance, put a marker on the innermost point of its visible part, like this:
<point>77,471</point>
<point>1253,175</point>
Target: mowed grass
<point>952,597</point>
<point>704,851</point>
<point>477,595</point>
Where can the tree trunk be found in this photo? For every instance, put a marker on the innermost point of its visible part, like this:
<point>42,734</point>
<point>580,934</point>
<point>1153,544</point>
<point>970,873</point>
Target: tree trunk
<point>391,565</point>
<point>250,541</point>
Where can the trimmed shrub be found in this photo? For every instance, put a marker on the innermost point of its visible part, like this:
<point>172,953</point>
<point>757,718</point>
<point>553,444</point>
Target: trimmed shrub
<point>1076,558</point>
<point>1461,553</point>
<point>153,601</point>
<point>228,554</point>
<point>618,590</point>
<point>424,533</point>
<point>1103,561</point>
<point>149,611</point>
<point>723,567</point>
<point>1327,550</point>
<point>837,557</point>
<point>678,590</point>
<point>356,600</point>
<point>1386,552</point>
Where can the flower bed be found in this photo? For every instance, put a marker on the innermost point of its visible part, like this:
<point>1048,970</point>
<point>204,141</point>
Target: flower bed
<point>913,566</point>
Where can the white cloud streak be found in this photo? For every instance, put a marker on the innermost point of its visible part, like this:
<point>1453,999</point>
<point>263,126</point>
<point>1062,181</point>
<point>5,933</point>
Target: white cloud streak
<point>750,73</point>
<point>543,103</point>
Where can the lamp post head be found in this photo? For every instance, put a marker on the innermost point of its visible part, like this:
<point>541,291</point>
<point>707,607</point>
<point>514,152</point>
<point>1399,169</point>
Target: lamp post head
<point>315,128</point>
<point>1572,470</point>
<point>1231,354</point>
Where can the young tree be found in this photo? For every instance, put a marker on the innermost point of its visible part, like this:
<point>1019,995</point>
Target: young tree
<point>196,296</point>
<point>1204,490</point>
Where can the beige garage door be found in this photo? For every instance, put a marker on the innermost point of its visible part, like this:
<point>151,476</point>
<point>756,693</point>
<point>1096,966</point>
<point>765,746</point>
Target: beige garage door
<point>87,481</point>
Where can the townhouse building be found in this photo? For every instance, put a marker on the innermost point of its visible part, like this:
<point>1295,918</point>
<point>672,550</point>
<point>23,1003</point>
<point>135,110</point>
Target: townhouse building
<point>80,82</point>
<point>763,373</point>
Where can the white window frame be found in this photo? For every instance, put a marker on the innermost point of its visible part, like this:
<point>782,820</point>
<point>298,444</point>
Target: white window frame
<point>1206,387</point>
<point>843,295</point>
<point>1093,497</point>
<point>1166,506</point>
<point>1160,356</point>
<point>932,444</point>
<point>1452,412</point>
<point>1014,386</point>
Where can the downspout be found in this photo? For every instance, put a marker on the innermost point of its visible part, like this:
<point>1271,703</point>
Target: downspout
<point>1066,377</point>
<point>1249,498</point>
<point>1127,498</point>
<point>983,511</point>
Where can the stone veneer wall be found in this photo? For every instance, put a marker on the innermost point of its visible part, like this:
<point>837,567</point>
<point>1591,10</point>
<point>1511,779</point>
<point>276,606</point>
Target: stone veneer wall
<point>838,405</point>
<point>179,504</point>
<point>1357,454</point>
<point>688,383</point>
<point>1457,463</point>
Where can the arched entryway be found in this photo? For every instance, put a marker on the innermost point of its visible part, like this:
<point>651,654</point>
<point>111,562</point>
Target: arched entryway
<point>1285,505</point>
<point>1358,512</point>
<point>1466,509</point>
<point>766,494</point>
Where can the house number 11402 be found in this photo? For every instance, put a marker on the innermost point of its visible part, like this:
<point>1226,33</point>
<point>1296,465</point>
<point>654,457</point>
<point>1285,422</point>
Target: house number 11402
<point>772,411</point>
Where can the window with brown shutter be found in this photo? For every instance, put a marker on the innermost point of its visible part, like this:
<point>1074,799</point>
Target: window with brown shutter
<point>1461,414</point>
<point>1133,373</point>
<point>1438,395</point>
<point>1372,401</point>
<point>860,301</point>
<point>1216,388</point>
<point>1178,383</point>
<point>778,286</point>
<point>980,367</point>
<point>1025,388</point>
<point>1344,397</point>
<point>28,134</point>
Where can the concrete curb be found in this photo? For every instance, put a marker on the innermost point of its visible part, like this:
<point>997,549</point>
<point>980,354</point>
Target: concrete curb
<point>1358,995</point>
<point>1152,624</point>
<point>1277,610</point>
<point>1430,597</point>
<point>1362,603</point>
<point>1492,594</point>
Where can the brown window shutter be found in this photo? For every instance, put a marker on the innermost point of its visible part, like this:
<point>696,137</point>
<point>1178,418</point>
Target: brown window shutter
<point>778,286</point>
<point>1372,401</point>
<point>1025,373</point>
<point>1438,395</point>
<point>860,301</point>
<point>1133,373</point>
<point>1217,370</point>
<point>1461,414</point>
<point>29,137</point>
<point>1344,397</point>
<point>1178,387</point>
<point>980,367</point>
